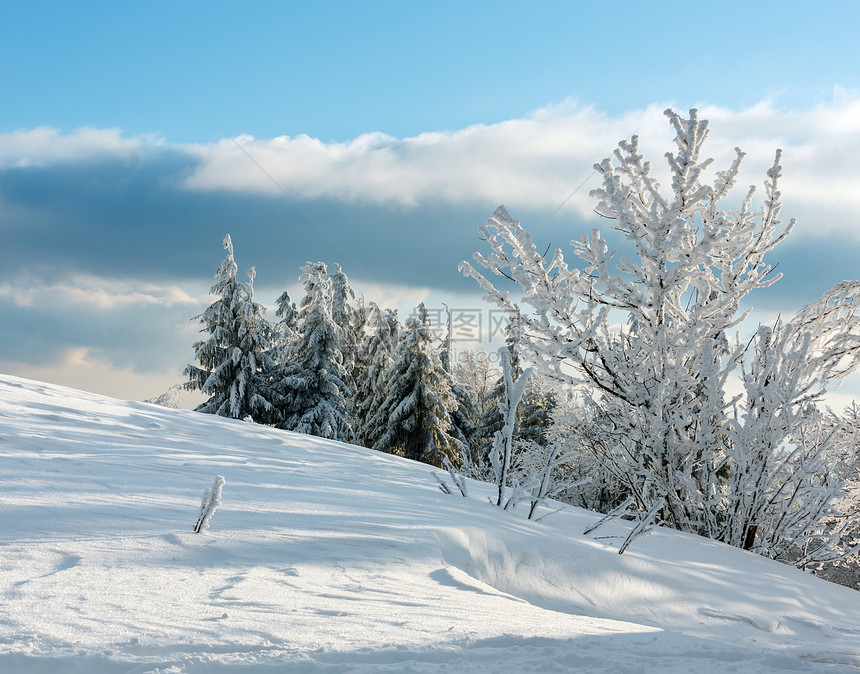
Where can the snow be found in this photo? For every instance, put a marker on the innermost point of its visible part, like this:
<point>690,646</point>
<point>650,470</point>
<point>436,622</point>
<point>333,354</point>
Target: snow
<point>325,557</point>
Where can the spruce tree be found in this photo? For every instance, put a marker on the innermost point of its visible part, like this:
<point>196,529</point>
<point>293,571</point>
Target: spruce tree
<point>286,330</point>
<point>313,389</point>
<point>378,351</point>
<point>235,367</point>
<point>342,313</point>
<point>418,409</point>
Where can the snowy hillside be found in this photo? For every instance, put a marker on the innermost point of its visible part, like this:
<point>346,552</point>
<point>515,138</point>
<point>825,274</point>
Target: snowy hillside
<point>325,557</point>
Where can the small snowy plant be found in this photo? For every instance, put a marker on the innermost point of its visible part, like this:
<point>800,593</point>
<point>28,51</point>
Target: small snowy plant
<point>170,398</point>
<point>211,500</point>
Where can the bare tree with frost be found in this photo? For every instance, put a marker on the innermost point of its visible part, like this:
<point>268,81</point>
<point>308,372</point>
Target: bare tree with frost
<point>675,433</point>
<point>502,449</point>
<point>234,363</point>
<point>847,429</point>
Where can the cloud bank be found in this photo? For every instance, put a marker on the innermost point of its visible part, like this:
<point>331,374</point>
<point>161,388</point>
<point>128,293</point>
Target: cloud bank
<point>111,241</point>
<point>537,162</point>
<point>44,145</point>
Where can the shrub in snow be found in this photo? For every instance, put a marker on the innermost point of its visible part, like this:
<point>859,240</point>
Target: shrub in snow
<point>211,500</point>
<point>535,480</point>
<point>847,429</point>
<point>475,373</point>
<point>170,398</point>
<point>457,478</point>
<point>581,427</point>
<point>749,469</point>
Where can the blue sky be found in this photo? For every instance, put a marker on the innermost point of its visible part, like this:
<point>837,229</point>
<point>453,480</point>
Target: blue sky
<point>397,126</point>
<point>333,70</point>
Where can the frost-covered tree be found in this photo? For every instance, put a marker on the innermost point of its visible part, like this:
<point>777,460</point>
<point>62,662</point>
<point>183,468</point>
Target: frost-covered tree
<point>502,449</point>
<point>662,376</point>
<point>312,386</point>
<point>418,409</point>
<point>581,428</point>
<point>533,413</point>
<point>492,420</point>
<point>783,481</point>
<point>379,352</point>
<point>846,428</point>
<point>476,372</point>
<point>234,365</point>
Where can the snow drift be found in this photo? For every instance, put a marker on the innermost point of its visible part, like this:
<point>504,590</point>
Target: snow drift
<point>325,557</point>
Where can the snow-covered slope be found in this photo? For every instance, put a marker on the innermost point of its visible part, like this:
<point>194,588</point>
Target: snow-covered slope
<point>326,557</point>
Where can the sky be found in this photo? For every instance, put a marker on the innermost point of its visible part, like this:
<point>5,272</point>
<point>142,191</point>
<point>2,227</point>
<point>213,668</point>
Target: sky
<point>378,135</point>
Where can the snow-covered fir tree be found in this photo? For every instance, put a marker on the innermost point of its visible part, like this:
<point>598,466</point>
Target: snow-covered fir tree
<point>677,436</point>
<point>344,316</point>
<point>360,324</point>
<point>419,405</point>
<point>285,331</point>
<point>378,351</point>
<point>234,365</point>
<point>312,387</point>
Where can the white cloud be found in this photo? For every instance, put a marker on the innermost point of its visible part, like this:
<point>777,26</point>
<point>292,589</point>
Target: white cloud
<point>94,293</point>
<point>44,145</point>
<point>540,160</point>
<point>536,162</point>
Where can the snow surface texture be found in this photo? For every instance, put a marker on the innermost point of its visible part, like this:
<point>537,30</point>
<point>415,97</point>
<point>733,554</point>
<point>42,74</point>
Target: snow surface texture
<point>325,557</point>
